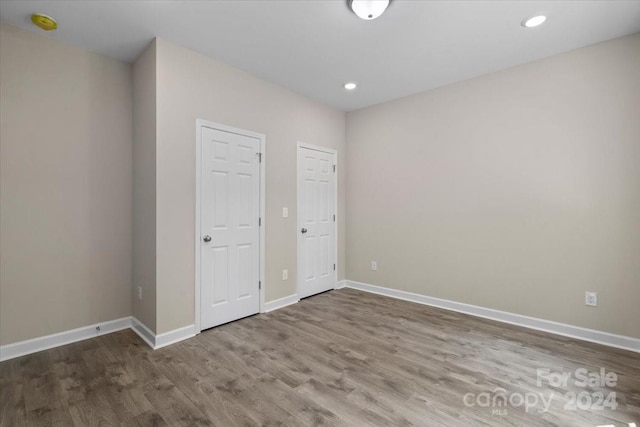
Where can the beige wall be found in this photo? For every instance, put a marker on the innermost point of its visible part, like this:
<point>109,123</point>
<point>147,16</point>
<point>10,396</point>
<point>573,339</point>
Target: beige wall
<point>65,187</point>
<point>517,191</point>
<point>144,187</point>
<point>192,86</point>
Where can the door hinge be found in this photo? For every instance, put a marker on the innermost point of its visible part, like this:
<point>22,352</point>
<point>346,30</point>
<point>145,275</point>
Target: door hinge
<point>260,222</point>
<point>334,168</point>
<point>334,218</point>
<point>334,267</point>
<point>260,157</point>
<point>259,284</point>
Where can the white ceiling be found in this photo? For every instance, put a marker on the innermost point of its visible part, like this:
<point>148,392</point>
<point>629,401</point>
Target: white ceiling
<point>314,47</point>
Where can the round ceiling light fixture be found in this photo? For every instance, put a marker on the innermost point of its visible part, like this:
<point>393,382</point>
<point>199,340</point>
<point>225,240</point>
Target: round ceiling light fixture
<point>368,9</point>
<point>534,21</point>
<point>350,85</point>
<point>44,22</point>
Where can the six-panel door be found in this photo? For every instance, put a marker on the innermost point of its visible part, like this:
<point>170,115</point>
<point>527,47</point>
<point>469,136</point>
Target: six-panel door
<point>230,210</point>
<point>316,227</point>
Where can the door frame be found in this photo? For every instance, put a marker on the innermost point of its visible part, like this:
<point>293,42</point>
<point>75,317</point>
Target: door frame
<point>333,152</point>
<point>200,123</point>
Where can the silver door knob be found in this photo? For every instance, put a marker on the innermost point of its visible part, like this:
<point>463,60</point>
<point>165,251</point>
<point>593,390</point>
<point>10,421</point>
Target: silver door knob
<point>304,230</point>
<point>207,238</point>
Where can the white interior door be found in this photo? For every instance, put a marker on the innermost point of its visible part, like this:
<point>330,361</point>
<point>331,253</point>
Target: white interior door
<point>316,221</point>
<point>229,226</point>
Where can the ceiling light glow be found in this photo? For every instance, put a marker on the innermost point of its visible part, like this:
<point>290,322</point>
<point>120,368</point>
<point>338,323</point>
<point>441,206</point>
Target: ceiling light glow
<point>368,9</point>
<point>534,21</point>
<point>350,86</point>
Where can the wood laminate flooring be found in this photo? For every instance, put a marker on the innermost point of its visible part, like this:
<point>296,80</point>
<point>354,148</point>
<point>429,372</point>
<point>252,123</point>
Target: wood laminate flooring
<point>340,358</point>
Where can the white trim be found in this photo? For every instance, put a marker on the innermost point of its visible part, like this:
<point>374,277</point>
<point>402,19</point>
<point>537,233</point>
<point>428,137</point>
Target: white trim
<point>200,123</point>
<point>46,342</point>
<point>161,340</point>
<point>316,148</point>
<point>293,299</point>
<point>591,335</point>
<point>196,285</point>
<point>281,302</point>
<point>22,348</point>
<point>174,336</point>
<point>335,223</point>
<point>334,152</point>
<point>143,332</point>
<point>263,215</point>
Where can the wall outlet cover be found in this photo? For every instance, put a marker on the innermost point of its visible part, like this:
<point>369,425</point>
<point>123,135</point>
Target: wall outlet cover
<point>591,298</point>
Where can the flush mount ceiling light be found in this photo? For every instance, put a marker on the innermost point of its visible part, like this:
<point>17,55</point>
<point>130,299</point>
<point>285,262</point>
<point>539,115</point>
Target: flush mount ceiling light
<point>534,21</point>
<point>350,86</point>
<point>44,22</point>
<point>368,9</point>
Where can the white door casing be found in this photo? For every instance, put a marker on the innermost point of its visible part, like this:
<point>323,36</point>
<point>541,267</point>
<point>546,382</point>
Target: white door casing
<point>317,209</point>
<point>229,233</point>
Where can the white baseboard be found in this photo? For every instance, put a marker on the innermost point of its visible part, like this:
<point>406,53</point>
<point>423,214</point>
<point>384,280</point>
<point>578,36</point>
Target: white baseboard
<point>174,336</point>
<point>156,341</point>
<point>22,348</point>
<point>281,302</point>
<point>143,332</point>
<point>599,337</point>
<point>293,299</point>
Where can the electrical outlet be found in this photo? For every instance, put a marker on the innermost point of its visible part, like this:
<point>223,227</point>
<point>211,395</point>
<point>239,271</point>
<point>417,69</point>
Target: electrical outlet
<point>285,212</point>
<point>591,298</point>
<point>374,265</point>
<point>285,274</point>
<point>139,292</point>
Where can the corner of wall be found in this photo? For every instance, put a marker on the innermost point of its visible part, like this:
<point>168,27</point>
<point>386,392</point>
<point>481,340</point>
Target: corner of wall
<point>144,188</point>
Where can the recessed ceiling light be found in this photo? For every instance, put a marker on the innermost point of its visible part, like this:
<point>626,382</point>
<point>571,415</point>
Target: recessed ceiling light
<point>534,21</point>
<point>368,9</point>
<point>350,86</point>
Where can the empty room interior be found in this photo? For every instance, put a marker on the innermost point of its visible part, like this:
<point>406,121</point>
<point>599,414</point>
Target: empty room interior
<point>330,212</point>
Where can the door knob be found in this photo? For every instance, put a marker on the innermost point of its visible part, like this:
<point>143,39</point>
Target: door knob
<point>304,230</point>
<point>207,238</point>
